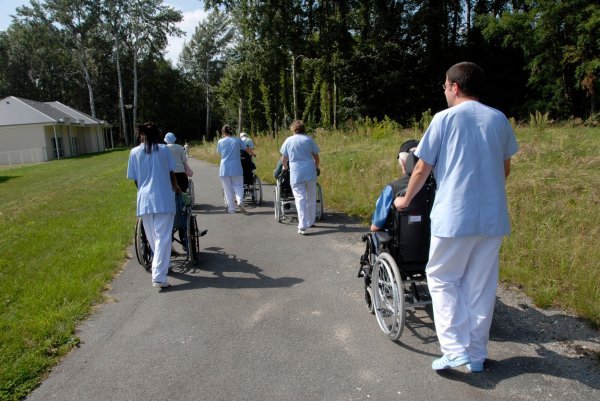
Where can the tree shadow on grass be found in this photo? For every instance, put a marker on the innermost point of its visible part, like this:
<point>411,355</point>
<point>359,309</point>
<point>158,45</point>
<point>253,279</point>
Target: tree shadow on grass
<point>4,178</point>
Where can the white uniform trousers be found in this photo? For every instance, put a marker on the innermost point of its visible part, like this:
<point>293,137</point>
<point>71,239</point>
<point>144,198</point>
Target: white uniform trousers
<point>233,186</point>
<point>462,274</point>
<point>158,228</point>
<point>305,196</point>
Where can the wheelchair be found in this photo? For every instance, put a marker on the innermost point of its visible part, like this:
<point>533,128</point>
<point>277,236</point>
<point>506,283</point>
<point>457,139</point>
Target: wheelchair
<point>284,198</point>
<point>394,261</point>
<point>252,185</point>
<point>185,221</point>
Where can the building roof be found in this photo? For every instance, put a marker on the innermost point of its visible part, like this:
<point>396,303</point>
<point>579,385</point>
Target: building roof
<point>18,111</point>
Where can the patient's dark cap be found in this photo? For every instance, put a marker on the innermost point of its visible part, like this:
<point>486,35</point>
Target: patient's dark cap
<point>408,145</point>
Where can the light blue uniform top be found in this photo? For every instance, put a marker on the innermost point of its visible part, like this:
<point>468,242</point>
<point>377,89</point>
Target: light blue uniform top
<point>467,144</point>
<point>151,171</point>
<point>299,149</point>
<point>231,163</point>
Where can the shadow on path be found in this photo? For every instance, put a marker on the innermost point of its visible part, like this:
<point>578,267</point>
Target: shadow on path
<point>228,271</point>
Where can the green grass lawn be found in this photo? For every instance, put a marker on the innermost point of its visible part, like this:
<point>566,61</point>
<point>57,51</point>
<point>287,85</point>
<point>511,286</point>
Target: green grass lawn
<point>65,228</point>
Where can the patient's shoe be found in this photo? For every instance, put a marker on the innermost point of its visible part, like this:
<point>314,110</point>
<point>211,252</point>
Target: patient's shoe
<point>445,363</point>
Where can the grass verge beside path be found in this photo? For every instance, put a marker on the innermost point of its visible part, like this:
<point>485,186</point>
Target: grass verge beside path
<point>553,193</point>
<point>65,229</point>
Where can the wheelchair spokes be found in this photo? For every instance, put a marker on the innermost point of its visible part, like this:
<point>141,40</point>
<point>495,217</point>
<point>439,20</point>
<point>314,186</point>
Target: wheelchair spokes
<point>388,296</point>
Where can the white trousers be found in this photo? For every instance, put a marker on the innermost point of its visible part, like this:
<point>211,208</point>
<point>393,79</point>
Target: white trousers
<point>158,228</point>
<point>305,196</point>
<point>462,274</point>
<point>233,186</point>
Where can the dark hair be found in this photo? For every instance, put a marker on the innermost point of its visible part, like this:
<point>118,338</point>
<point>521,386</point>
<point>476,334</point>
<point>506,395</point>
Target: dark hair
<point>469,77</point>
<point>226,129</point>
<point>151,135</point>
<point>297,126</point>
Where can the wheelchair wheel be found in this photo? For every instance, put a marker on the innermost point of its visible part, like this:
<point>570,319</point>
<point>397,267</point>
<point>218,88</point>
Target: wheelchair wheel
<point>143,252</point>
<point>257,191</point>
<point>277,204</point>
<point>190,190</point>
<point>193,240</point>
<point>388,296</point>
<point>319,202</point>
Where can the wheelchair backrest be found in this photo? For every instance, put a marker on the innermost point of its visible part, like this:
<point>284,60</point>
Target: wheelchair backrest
<point>285,184</point>
<point>412,230</point>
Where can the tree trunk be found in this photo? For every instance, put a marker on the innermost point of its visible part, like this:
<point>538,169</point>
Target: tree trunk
<point>241,114</point>
<point>121,101</point>
<point>208,136</point>
<point>135,93</point>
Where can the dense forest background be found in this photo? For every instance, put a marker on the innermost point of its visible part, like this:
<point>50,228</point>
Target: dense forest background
<point>259,64</point>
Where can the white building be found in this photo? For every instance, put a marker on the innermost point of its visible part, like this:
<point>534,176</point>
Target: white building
<point>32,132</point>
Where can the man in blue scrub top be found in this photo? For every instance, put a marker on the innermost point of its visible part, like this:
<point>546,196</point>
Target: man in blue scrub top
<point>469,147</point>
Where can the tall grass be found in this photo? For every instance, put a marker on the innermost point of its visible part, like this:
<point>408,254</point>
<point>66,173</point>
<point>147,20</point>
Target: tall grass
<point>65,228</point>
<point>553,192</point>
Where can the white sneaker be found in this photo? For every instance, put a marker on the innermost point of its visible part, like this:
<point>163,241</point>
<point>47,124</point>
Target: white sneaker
<point>302,231</point>
<point>165,284</point>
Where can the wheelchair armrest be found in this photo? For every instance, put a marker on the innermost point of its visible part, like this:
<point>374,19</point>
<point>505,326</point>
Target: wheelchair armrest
<point>383,237</point>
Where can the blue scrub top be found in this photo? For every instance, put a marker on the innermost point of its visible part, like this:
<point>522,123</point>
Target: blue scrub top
<point>467,144</point>
<point>299,149</point>
<point>152,173</point>
<point>231,163</point>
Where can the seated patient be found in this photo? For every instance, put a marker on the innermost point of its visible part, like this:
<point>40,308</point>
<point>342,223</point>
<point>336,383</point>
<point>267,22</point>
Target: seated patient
<point>396,187</point>
<point>278,169</point>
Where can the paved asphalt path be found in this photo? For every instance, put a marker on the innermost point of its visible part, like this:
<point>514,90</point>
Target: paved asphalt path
<point>272,315</point>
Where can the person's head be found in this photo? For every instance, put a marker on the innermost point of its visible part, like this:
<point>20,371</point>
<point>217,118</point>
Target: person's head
<point>297,127</point>
<point>463,80</point>
<point>170,138</point>
<point>243,135</point>
<point>403,153</point>
<point>150,135</point>
<point>226,130</point>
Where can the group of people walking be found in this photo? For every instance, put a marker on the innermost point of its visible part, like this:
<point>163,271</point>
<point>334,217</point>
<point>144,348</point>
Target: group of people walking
<point>299,155</point>
<point>468,147</point>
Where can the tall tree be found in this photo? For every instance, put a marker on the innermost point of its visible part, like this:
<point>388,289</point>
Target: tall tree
<point>147,24</point>
<point>74,24</point>
<point>203,56</point>
<point>560,41</point>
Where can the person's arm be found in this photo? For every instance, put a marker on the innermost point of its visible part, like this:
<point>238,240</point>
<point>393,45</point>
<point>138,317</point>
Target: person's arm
<point>506,168</point>
<point>284,162</point>
<point>382,209</point>
<point>417,179</point>
<point>174,182</point>
<point>317,159</point>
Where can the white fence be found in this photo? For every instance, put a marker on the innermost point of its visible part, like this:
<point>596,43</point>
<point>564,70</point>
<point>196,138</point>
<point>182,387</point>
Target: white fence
<point>36,155</point>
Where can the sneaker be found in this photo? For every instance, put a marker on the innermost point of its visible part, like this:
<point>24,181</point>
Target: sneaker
<point>445,363</point>
<point>241,208</point>
<point>161,285</point>
<point>302,231</point>
<point>475,367</point>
